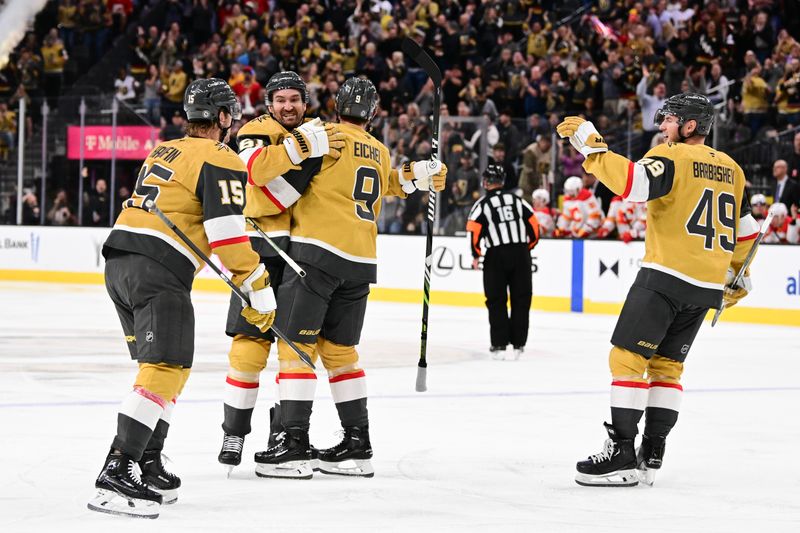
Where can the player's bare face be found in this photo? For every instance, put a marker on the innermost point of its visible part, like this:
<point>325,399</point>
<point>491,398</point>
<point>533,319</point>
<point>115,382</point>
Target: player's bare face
<point>288,108</point>
<point>669,128</point>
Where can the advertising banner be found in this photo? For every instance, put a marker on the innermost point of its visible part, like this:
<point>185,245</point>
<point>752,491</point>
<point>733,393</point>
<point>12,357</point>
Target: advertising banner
<point>133,142</point>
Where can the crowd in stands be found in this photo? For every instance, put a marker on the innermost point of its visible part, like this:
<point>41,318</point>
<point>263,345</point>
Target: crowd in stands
<point>512,70</point>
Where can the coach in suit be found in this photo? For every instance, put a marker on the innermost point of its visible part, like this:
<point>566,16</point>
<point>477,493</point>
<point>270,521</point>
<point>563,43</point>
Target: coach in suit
<point>785,190</point>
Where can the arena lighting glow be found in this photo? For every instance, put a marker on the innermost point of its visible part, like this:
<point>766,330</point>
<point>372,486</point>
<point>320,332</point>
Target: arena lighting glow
<point>14,19</point>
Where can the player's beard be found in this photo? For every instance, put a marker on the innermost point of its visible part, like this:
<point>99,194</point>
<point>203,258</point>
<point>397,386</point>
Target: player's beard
<point>290,120</point>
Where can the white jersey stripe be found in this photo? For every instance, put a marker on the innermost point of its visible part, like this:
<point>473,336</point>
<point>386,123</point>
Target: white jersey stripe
<point>223,228</point>
<point>166,238</point>
<point>640,190</point>
<point>665,397</point>
<point>334,250</point>
<point>142,409</point>
<point>282,191</point>
<point>684,277</point>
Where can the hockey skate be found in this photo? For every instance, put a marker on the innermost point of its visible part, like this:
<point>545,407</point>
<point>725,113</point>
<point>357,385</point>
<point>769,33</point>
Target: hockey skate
<point>649,457</point>
<point>289,458</point>
<point>231,453</point>
<point>615,466</point>
<point>158,478</point>
<point>351,457</point>
<point>121,491</point>
<point>498,353</point>
<point>518,351</point>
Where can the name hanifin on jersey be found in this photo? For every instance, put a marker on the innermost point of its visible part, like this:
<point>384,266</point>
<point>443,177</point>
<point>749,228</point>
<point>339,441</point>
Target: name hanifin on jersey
<point>712,172</point>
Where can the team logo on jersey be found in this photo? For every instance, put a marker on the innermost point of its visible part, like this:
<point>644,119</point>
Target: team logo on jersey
<point>684,349</point>
<point>149,336</point>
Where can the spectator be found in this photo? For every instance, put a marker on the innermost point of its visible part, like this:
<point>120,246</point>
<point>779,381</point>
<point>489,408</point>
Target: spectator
<point>785,191</point>
<point>54,56</point>
<point>793,158</point>
<point>152,94</point>
<point>537,159</point>
<point>758,206</point>
<point>173,130</point>
<point>60,214</point>
<point>8,127</point>
<point>96,205</point>
<point>175,82</point>
<point>499,158</point>
<point>31,214</point>
<point>124,86</point>
<point>755,99</point>
<point>249,92</point>
<point>509,135</point>
<point>650,104</point>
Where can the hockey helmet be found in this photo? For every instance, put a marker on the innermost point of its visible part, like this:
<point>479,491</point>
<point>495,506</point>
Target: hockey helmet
<point>688,106</point>
<point>205,98</point>
<point>358,99</point>
<point>573,185</point>
<point>494,175</point>
<point>541,195</point>
<point>778,209</point>
<point>285,80</point>
<point>758,199</point>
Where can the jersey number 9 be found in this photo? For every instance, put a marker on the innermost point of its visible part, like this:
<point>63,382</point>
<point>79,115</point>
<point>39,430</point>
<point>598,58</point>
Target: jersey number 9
<point>366,192</point>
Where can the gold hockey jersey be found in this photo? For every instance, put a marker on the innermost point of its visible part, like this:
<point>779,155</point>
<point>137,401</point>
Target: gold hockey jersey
<point>200,185</point>
<point>273,183</point>
<point>334,223</point>
<point>698,217</point>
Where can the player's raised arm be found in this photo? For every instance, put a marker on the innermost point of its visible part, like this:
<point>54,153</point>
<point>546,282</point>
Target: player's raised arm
<point>647,179</point>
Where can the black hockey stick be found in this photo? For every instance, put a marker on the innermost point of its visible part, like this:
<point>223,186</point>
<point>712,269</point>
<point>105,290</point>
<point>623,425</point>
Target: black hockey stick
<point>284,255</point>
<point>151,206</point>
<point>747,260</point>
<point>415,52</point>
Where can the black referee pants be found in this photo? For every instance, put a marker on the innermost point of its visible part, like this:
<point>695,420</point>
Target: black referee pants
<point>507,271</point>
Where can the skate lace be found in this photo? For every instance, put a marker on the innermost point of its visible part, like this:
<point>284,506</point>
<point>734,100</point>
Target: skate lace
<point>232,443</point>
<point>606,454</point>
<point>135,473</point>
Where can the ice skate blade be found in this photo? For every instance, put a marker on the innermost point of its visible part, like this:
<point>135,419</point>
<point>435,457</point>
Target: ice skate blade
<point>350,467</point>
<point>110,502</point>
<point>647,476</point>
<point>228,470</point>
<point>168,497</point>
<point>288,470</point>
<point>620,478</point>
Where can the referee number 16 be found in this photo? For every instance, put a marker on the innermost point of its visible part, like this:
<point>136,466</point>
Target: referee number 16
<point>506,213</point>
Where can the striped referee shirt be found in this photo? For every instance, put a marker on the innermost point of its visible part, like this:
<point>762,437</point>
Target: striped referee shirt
<point>501,218</point>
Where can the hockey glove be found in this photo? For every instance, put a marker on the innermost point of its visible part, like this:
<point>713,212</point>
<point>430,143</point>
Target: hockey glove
<point>733,293</point>
<point>261,311</point>
<point>314,139</point>
<point>583,136</point>
<point>417,175</point>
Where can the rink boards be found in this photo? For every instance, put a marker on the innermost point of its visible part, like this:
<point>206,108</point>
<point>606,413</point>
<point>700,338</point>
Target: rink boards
<point>577,276</point>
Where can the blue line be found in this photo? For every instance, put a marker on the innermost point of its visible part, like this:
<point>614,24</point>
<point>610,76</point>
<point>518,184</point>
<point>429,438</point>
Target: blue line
<point>576,305</point>
<point>417,396</point>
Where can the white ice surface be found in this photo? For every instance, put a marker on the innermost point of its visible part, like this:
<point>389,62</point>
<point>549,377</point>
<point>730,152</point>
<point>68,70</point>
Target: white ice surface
<point>490,447</point>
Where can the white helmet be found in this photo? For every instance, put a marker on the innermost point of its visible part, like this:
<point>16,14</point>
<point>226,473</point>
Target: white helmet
<point>541,194</point>
<point>758,199</point>
<point>573,186</point>
<point>778,209</point>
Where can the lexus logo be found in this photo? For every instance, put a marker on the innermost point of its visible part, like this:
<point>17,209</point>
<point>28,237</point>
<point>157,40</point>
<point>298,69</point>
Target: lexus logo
<point>613,268</point>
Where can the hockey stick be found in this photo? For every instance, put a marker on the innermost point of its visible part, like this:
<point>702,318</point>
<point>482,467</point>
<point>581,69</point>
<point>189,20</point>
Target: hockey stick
<point>747,260</point>
<point>151,207</point>
<point>284,255</point>
<point>415,52</point>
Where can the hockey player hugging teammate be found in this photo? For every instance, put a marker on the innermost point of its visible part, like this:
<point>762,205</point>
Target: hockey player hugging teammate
<point>199,183</point>
<point>698,234</point>
<point>333,238</point>
<point>279,169</point>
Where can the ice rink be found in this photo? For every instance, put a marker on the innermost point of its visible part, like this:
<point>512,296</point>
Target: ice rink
<point>490,447</point>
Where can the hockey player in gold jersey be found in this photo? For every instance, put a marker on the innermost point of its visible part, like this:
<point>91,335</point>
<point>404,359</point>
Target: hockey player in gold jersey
<point>269,146</point>
<point>698,233</point>
<point>198,182</point>
<point>333,237</point>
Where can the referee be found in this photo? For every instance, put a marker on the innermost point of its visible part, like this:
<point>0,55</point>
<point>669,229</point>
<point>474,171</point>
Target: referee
<point>503,228</point>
